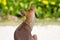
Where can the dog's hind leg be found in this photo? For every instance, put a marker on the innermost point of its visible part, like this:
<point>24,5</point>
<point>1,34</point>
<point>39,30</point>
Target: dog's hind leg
<point>34,37</point>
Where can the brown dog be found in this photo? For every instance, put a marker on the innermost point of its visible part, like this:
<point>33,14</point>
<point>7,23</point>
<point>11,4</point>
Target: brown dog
<point>23,32</point>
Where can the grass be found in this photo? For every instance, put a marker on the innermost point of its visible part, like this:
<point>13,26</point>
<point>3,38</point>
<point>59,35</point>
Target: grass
<point>41,22</point>
<point>47,21</point>
<point>9,23</point>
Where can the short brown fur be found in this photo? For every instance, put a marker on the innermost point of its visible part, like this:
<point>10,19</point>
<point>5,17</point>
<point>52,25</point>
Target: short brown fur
<point>23,32</point>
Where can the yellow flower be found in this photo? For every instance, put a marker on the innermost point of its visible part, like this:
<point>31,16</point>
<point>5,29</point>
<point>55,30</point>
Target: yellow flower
<point>45,2</point>
<point>53,3</point>
<point>0,1</point>
<point>6,7</point>
<point>4,2</point>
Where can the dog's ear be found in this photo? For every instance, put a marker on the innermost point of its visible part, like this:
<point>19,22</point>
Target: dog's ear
<point>23,12</point>
<point>32,7</point>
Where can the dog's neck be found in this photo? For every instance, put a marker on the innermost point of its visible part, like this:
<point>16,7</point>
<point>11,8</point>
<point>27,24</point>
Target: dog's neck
<point>30,21</point>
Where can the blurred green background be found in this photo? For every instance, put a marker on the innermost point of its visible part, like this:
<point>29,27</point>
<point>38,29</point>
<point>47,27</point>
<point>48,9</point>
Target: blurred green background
<point>10,9</point>
<point>44,8</point>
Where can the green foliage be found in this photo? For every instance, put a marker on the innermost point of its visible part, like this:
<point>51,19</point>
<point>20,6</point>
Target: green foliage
<point>44,9</point>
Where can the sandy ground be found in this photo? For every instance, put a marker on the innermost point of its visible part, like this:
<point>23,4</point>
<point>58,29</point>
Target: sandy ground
<point>48,32</point>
